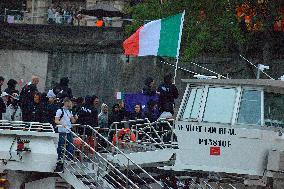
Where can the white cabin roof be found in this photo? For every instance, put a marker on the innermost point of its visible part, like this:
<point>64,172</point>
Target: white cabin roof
<point>274,86</point>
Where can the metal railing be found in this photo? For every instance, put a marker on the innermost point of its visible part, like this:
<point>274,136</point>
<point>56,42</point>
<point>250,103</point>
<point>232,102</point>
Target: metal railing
<point>26,126</point>
<point>150,130</point>
<point>129,166</point>
<point>106,170</point>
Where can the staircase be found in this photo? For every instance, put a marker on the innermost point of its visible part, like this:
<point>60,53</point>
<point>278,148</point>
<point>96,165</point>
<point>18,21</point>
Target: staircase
<point>92,169</point>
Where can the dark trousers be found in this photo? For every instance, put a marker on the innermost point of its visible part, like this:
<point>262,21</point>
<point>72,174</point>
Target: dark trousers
<point>69,146</point>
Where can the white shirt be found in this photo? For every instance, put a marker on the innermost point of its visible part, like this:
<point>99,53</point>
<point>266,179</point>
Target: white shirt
<point>65,120</point>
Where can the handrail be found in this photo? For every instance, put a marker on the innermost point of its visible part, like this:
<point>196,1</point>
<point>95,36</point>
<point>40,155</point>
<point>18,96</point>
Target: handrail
<point>104,159</point>
<point>124,155</point>
<point>160,120</point>
<point>99,178</point>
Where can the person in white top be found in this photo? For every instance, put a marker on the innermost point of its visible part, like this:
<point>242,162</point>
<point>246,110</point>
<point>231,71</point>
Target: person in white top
<point>64,119</point>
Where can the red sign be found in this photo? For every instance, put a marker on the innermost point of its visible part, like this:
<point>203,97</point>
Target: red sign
<point>215,151</point>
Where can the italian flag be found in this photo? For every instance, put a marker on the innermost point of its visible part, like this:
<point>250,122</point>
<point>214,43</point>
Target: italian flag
<point>159,38</point>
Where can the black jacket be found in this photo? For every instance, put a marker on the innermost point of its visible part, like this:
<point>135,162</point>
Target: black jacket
<point>168,93</point>
<point>2,107</point>
<point>27,95</point>
<point>36,113</point>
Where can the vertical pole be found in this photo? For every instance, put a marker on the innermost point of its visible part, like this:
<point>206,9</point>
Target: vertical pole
<point>172,134</point>
<point>65,147</point>
<point>5,15</point>
<point>33,10</point>
<point>127,174</point>
<point>258,72</point>
<point>116,137</point>
<point>136,133</point>
<point>179,41</point>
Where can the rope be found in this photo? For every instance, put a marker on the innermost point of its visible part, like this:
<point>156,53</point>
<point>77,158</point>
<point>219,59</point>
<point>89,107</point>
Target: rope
<point>211,71</point>
<point>181,68</point>
<point>255,66</point>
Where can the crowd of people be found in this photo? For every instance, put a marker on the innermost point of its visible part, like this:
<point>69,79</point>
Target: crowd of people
<point>59,108</point>
<point>61,15</point>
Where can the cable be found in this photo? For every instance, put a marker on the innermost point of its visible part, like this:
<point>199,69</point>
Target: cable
<point>181,68</point>
<point>209,70</point>
<point>256,66</point>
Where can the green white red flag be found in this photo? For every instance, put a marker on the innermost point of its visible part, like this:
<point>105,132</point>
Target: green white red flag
<point>159,38</point>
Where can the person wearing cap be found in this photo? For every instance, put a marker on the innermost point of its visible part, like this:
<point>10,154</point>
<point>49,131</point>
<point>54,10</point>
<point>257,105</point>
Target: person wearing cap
<point>51,108</point>
<point>11,87</point>
<point>168,92</point>
<point>3,101</point>
<point>65,91</point>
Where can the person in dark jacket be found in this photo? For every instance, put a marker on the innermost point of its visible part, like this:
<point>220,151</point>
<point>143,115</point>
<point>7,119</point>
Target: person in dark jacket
<point>3,101</point>
<point>149,88</point>
<point>137,114</point>
<point>88,115</point>
<point>65,91</point>
<point>152,111</point>
<point>168,92</point>
<point>2,79</point>
<point>115,115</point>
<point>51,108</point>
<point>11,89</point>
<point>36,110</point>
<point>27,97</point>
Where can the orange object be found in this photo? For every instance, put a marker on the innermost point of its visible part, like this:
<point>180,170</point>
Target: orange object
<point>248,19</point>
<point>77,143</point>
<point>122,133</point>
<point>99,23</point>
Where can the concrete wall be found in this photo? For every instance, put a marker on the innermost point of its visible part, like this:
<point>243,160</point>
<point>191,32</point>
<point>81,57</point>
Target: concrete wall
<point>105,74</point>
<point>22,65</point>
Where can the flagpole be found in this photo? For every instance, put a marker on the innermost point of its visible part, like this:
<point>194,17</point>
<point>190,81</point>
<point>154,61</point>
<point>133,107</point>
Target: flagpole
<point>179,41</point>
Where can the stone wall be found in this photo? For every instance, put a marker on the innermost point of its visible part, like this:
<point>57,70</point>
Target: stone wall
<point>19,64</point>
<point>105,74</point>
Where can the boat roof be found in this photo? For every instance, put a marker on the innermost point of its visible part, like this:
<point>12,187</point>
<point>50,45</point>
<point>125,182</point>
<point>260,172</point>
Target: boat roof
<point>274,86</point>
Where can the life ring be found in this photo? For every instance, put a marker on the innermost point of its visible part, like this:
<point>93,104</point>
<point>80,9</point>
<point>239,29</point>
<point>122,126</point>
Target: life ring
<point>125,135</point>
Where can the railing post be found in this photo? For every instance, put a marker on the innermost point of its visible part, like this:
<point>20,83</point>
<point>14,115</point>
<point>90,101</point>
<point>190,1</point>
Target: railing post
<point>127,173</point>
<point>95,143</point>
<point>5,15</point>
<point>172,135</point>
<point>65,147</point>
<point>116,136</point>
<point>136,138</point>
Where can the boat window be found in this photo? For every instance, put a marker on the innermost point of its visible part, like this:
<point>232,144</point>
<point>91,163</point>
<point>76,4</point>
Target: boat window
<point>250,107</point>
<point>193,104</point>
<point>274,109</point>
<point>220,105</point>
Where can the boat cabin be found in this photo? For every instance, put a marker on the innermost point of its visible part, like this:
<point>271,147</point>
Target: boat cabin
<point>230,125</point>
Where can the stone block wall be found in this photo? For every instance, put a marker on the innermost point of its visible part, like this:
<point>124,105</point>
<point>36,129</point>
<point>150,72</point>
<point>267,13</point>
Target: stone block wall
<point>18,64</point>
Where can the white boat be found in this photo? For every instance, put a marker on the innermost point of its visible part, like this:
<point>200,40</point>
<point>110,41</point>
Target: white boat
<point>230,128</point>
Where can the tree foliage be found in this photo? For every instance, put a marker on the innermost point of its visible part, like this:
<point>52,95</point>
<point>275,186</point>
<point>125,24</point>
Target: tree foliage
<point>211,26</point>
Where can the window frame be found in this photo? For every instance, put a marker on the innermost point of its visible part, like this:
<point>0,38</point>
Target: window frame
<point>237,103</point>
<point>234,107</point>
<point>185,101</point>
<point>262,123</point>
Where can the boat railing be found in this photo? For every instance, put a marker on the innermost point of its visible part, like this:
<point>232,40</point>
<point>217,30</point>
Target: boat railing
<point>128,172</point>
<point>155,132</point>
<point>26,126</point>
<point>103,169</point>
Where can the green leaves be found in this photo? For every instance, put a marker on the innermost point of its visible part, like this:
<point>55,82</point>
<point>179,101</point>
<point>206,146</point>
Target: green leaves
<point>210,25</point>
